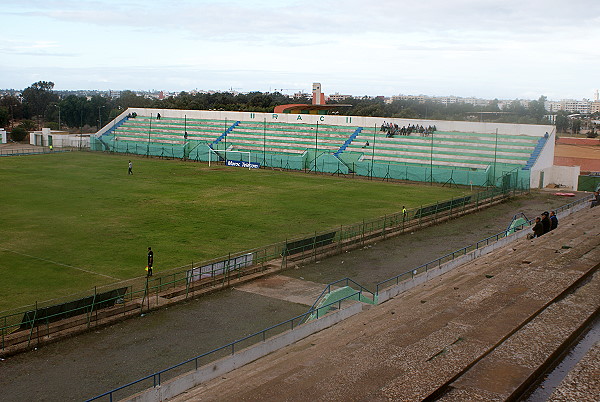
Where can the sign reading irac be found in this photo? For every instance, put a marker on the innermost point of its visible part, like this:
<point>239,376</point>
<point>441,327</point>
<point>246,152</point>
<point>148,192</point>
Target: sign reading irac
<point>242,164</point>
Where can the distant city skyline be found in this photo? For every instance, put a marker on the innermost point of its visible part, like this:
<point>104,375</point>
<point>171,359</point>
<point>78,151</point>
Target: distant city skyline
<point>468,48</point>
<point>153,93</point>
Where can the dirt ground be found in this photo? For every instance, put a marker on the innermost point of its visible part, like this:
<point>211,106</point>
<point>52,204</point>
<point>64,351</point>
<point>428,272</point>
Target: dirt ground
<point>95,362</point>
<point>582,153</point>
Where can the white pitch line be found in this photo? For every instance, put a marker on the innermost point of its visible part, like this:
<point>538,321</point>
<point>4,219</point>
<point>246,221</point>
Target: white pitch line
<point>60,263</point>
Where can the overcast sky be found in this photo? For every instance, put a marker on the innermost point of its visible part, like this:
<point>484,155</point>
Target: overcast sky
<point>504,49</point>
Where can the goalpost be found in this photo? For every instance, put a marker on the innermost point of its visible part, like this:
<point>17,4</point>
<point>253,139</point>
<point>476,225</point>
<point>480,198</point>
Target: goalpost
<point>230,152</point>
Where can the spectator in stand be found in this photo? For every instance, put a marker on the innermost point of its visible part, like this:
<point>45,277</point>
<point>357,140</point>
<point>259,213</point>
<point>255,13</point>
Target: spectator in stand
<point>595,200</point>
<point>538,228</point>
<point>553,220</point>
<point>546,221</point>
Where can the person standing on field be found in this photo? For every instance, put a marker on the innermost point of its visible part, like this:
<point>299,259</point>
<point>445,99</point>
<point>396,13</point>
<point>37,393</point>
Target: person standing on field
<point>130,171</point>
<point>150,260</point>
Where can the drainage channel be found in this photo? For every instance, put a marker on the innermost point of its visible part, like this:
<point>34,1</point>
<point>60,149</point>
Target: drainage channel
<point>553,378</point>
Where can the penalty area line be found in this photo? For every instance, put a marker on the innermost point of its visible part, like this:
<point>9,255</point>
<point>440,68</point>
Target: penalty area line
<point>60,263</point>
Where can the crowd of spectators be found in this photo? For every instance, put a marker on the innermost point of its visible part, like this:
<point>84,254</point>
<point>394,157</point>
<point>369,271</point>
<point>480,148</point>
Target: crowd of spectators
<point>392,129</point>
<point>596,199</point>
<point>544,224</point>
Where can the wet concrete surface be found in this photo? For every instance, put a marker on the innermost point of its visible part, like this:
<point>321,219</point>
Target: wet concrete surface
<point>482,329</point>
<point>103,359</point>
<point>89,364</point>
<point>554,379</point>
<point>385,259</point>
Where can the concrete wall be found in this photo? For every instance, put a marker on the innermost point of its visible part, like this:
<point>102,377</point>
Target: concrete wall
<point>117,119</point>
<point>193,378</point>
<point>395,290</point>
<point>545,159</point>
<point>208,372</point>
<point>353,121</point>
<point>567,176</point>
<point>59,140</point>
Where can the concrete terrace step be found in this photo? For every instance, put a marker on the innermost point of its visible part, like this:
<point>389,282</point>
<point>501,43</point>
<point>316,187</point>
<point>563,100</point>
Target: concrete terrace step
<point>424,341</point>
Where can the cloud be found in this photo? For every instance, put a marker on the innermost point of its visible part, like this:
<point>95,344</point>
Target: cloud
<point>35,48</point>
<point>390,46</point>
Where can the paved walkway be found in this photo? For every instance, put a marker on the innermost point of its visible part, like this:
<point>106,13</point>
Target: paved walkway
<point>476,332</point>
<point>284,288</point>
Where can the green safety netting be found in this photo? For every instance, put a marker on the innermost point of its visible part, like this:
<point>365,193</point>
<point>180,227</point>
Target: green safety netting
<point>498,175</point>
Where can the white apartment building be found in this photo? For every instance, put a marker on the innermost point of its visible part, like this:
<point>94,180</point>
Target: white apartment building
<point>418,98</point>
<point>570,106</point>
<point>338,97</point>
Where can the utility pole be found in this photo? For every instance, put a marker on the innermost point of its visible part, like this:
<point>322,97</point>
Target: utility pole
<point>316,145</point>
<point>58,116</point>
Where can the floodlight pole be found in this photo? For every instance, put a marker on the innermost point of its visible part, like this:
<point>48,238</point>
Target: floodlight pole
<point>495,153</point>
<point>373,152</point>
<point>58,116</point>
<point>264,139</point>
<point>149,130</point>
<point>431,162</point>
<point>316,144</point>
<point>99,118</point>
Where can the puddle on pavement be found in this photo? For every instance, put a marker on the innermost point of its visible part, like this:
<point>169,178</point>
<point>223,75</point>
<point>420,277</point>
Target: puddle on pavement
<point>553,379</point>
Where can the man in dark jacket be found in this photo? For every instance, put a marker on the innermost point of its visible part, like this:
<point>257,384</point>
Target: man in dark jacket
<point>538,228</point>
<point>596,199</point>
<point>546,221</point>
<point>553,220</point>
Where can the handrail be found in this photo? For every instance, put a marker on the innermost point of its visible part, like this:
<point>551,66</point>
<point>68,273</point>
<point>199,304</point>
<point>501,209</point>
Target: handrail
<point>157,375</point>
<point>327,290</point>
<point>474,246</point>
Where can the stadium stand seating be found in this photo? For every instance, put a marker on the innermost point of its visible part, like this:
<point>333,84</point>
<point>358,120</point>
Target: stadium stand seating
<point>467,150</point>
<point>169,131</point>
<point>288,138</point>
<point>348,143</point>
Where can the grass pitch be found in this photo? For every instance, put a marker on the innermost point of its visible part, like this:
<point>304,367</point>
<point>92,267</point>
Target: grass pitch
<point>71,221</point>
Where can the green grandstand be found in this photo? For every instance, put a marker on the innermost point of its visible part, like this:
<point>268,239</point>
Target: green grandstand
<point>468,158</point>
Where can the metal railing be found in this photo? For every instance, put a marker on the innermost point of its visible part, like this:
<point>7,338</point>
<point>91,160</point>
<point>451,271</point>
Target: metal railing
<point>465,250</point>
<point>301,319</point>
<point>230,348</point>
<point>19,151</point>
<point>347,281</point>
<point>220,272</point>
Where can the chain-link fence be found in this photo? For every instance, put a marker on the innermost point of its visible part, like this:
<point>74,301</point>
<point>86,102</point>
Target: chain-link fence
<point>32,324</point>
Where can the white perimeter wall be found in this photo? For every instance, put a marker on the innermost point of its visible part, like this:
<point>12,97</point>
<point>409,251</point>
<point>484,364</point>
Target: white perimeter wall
<point>567,176</point>
<point>353,121</point>
<point>544,164</point>
<point>59,140</point>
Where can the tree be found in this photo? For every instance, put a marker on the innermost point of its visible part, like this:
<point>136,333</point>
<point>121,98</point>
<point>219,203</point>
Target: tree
<point>537,109</point>
<point>493,106</point>
<point>4,116</point>
<point>37,97</point>
<point>18,133</point>
<point>14,107</point>
<point>575,126</point>
<point>562,121</point>
<point>517,108</point>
